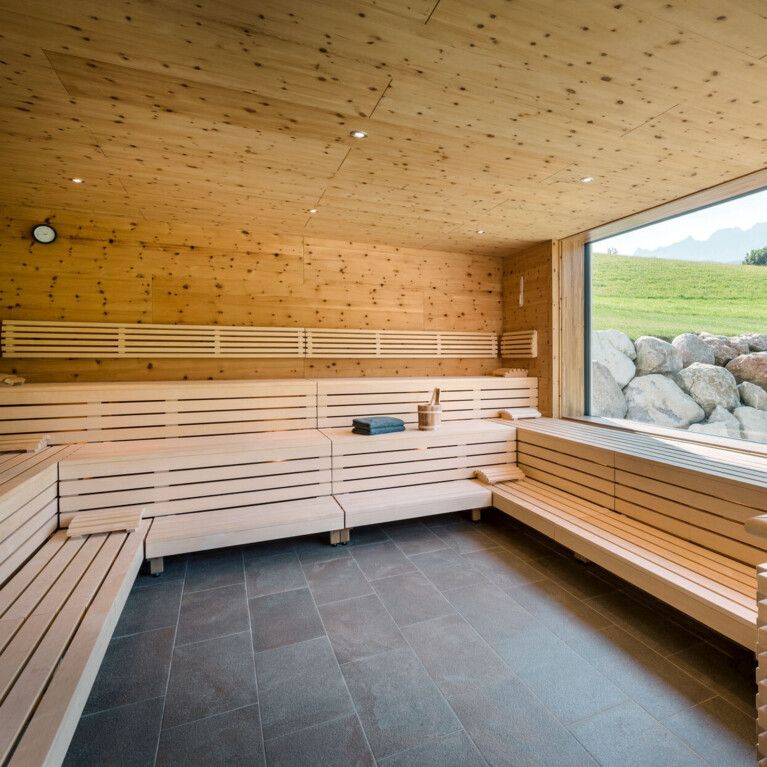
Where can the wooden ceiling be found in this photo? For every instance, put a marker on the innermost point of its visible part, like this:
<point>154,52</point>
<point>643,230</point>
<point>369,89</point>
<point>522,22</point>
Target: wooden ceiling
<point>481,114</point>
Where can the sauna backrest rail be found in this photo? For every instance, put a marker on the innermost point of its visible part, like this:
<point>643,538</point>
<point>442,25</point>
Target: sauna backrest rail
<point>696,493</point>
<point>91,412</point>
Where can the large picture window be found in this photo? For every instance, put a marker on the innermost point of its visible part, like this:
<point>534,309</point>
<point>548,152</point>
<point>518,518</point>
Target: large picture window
<point>679,322</point>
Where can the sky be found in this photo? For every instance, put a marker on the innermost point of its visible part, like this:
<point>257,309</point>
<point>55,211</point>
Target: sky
<point>743,212</point>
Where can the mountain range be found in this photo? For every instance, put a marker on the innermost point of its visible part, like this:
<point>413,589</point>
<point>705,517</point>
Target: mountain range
<point>725,245</point>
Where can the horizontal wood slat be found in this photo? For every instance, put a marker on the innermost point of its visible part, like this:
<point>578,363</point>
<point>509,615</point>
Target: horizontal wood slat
<point>696,493</point>
<point>29,339</point>
<point>108,340</point>
<point>126,411</point>
<point>61,607</point>
<point>462,398</point>
<point>111,412</point>
<point>414,473</point>
<point>519,344</point>
<point>706,585</point>
<point>348,344</point>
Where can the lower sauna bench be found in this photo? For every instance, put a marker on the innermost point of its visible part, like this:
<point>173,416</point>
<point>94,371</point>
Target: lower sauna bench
<point>710,587</point>
<point>372,507</point>
<point>57,615</point>
<point>183,533</point>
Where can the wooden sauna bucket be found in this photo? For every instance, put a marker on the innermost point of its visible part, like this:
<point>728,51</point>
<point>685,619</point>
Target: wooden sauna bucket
<point>430,414</point>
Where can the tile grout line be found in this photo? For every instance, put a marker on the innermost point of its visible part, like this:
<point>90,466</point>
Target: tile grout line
<point>253,654</point>
<point>415,654</point>
<point>338,665</point>
<point>170,664</point>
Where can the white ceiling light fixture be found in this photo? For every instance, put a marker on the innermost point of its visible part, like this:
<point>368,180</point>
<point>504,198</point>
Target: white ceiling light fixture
<point>312,210</point>
<point>358,134</point>
<point>587,179</point>
<point>77,180</point>
<point>480,231</point>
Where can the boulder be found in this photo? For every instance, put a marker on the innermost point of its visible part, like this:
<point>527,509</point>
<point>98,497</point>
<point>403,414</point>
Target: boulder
<point>656,399</point>
<point>607,398</point>
<point>718,428</point>
<point>757,342</point>
<point>740,344</point>
<point>753,423</point>
<point>753,395</point>
<point>693,349</point>
<point>710,386</point>
<point>618,340</point>
<point>750,367</point>
<point>720,415</point>
<point>723,352</point>
<point>656,356</point>
<point>620,366</point>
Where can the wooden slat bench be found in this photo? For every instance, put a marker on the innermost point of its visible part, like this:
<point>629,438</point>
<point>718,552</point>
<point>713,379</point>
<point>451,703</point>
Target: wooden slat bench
<point>414,473</point>
<point>340,400</point>
<point>664,515</point>
<point>28,503</point>
<point>57,614</point>
<point>105,412</point>
<point>208,491</point>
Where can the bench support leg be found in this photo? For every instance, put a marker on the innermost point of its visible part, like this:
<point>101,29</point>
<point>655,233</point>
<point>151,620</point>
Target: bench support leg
<point>156,566</point>
<point>476,515</point>
<point>582,558</point>
<point>339,536</point>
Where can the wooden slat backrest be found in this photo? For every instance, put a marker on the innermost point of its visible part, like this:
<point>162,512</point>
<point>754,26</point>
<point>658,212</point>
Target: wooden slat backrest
<point>202,474</point>
<point>125,411</point>
<point>417,457</point>
<point>28,504</point>
<point>699,493</point>
<point>340,400</point>
<point>106,412</point>
<point>582,470</point>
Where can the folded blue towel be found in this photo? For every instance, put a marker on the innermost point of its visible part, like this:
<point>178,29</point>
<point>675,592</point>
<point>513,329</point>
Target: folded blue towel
<point>376,422</point>
<point>382,430</point>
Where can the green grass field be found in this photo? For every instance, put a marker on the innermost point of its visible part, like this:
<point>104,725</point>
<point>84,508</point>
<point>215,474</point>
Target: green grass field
<point>660,297</point>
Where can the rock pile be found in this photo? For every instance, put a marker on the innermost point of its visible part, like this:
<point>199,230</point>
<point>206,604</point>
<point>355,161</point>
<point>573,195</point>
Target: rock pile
<point>706,383</point>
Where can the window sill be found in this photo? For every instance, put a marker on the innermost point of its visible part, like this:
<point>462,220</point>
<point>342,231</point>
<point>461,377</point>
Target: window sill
<point>733,444</point>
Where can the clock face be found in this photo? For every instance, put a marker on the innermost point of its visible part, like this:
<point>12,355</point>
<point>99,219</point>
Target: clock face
<point>44,233</point>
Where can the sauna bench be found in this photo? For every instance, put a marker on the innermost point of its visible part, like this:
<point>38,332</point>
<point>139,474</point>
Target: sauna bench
<point>666,515</point>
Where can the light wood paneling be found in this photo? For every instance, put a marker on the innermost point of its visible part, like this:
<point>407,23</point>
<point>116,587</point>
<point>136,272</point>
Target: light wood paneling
<point>481,115</point>
<point>113,270</point>
<point>570,320</point>
<point>528,281</point>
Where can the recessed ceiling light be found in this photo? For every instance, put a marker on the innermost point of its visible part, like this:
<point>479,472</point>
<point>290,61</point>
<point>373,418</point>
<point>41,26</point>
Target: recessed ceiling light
<point>77,180</point>
<point>480,231</point>
<point>312,210</point>
<point>358,134</point>
<point>587,179</point>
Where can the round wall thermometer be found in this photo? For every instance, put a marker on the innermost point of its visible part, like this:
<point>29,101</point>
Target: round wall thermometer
<point>44,233</point>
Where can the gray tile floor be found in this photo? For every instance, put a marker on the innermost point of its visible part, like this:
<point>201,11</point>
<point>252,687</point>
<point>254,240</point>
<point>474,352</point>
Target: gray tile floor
<point>430,643</point>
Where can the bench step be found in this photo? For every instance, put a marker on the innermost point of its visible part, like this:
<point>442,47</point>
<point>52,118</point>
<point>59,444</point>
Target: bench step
<point>201,531</point>
<point>705,585</point>
<point>392,504</point>
<point>57,615</point>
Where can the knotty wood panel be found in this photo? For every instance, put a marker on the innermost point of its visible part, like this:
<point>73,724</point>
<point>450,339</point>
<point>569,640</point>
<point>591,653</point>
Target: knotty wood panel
<point>481,115</point>
<point>528,282</point>
<point>113,270</point>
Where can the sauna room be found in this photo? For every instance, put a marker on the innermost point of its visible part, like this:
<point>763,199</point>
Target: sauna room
<point>383,383</point>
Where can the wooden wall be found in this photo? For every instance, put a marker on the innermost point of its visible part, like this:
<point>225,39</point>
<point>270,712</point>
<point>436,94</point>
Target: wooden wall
<point>123,270</point>
<point>537,267</point>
